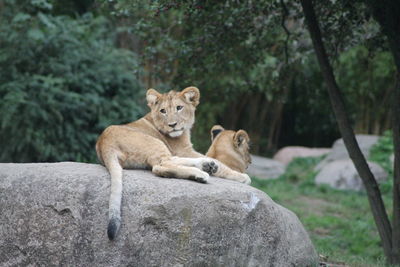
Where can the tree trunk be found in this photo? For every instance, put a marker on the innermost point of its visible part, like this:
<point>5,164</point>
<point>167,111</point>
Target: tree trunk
<point>396,174</point>
<point>386,12</point>
<point>373,192</point>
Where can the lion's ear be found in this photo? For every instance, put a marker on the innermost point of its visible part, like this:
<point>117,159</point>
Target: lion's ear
<point>215,130</point>
<point>192,95</point>
<point>152,97</point>
<point>240,138</point>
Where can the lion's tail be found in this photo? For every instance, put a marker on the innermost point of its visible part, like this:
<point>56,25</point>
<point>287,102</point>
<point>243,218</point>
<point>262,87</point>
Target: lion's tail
<point>114,210</point>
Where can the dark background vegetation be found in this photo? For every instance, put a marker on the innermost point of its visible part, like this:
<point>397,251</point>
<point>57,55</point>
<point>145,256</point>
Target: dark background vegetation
<point>68,69</point>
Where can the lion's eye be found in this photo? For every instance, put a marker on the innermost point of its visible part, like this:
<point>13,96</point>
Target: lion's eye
<point>179,108</point>
<point>163,111</point>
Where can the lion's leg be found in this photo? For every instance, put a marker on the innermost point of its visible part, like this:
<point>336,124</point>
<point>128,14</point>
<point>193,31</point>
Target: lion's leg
<point>205,164</point>
<point>227,173</point>
<point>171,170</point>
<point>197,160</point>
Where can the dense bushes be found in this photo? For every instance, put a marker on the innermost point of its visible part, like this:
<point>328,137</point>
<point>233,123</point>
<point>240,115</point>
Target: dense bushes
<point>61,82</point>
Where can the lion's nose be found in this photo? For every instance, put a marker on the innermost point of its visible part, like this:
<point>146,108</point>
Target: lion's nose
<point>172,125</point>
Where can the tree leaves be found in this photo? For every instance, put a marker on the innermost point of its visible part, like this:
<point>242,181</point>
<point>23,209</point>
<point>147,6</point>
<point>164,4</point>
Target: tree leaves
<point>62,82</point>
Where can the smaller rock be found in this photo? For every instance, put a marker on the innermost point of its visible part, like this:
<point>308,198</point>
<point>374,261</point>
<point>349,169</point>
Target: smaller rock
<point>286,154</point>
<point>265,168</point>
<point>342,174</point>
<point>339,151</point>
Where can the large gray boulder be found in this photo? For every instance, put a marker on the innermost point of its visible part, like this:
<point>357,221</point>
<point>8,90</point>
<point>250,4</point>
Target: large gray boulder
<point>55,214</point>
<point>265,168</point>
<point>342,174</point>
<point>339,150</point>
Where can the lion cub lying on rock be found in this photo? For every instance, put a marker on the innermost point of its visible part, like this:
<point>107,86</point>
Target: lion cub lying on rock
<point>230,147</point>
<point>160,141</point>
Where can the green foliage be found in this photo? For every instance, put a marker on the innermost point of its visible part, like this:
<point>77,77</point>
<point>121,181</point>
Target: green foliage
<point>61,83</point>
<point>340,223</point>
<point>367,78</point>
<point>374,72</point>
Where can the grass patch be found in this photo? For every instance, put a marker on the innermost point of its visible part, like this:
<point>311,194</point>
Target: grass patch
<point>380,153</point>
<point>340,223</point>
<point>382,150</point>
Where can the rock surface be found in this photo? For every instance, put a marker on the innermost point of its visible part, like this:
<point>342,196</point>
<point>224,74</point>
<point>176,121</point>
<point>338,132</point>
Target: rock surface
<point>265,168</point>
<point>342,174</point>
<point>55,214</point>
<point>339,150</point>
<point>286,154</point>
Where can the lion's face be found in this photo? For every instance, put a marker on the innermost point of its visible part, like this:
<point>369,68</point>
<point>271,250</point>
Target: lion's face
<point>173,112</point>
<point>230,147</point>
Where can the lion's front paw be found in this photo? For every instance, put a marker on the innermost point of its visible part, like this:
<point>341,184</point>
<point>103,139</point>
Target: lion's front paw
<point>246,179</point>
<point>209,166</point>
<point>201,177</point>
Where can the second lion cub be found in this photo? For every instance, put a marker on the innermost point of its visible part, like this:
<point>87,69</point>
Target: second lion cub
<point>230,147</point>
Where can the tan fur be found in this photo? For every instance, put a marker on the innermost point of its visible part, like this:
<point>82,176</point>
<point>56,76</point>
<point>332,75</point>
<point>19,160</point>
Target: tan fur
<point>230,148</point>
<point>161,142</point>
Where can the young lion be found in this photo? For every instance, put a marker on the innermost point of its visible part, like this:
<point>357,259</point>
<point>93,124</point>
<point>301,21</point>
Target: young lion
<point>230,148</point>
<point>160,141</point>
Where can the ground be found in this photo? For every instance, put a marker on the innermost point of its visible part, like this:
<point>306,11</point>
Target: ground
<point>340,223</point>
